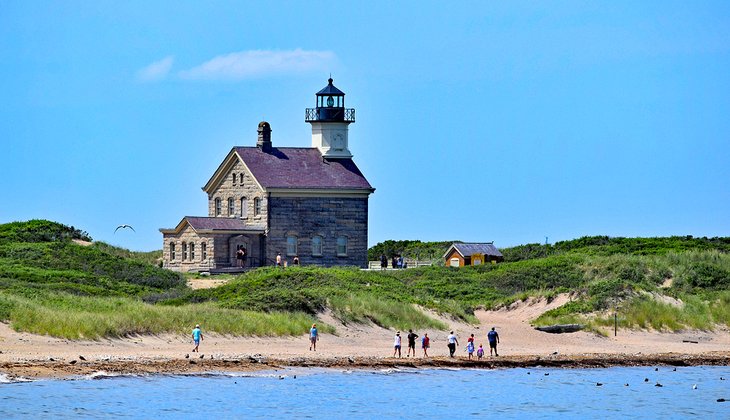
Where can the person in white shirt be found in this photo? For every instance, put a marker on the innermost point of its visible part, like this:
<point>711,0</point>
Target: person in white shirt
<point>453,342</point>
<point>396,344</point>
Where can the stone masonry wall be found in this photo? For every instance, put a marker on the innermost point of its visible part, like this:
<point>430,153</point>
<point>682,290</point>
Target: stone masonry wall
<point>197,263</point>
<point>237,190</point>
<point>329,218</point>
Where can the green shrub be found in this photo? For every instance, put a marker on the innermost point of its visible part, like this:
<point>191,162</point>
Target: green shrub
<point>40,231</point>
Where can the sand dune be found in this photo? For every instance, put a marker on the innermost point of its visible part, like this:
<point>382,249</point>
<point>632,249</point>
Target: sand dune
<point>519,341</point>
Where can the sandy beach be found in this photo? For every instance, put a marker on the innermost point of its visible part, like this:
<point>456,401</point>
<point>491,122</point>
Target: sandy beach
<point>30,356</point>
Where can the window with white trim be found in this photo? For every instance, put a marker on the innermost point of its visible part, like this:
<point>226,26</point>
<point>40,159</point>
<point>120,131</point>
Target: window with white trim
<point>203,251</point>
<point>184,251</point>
<point>342,246</point>
<point>231,207</point>
<point>244,207</point>
<point>256,206</point>
<point>291,245</point>
<point>172,251</point>
<point>317,245</point>
<point>218,209</point>
<point>192,251</point>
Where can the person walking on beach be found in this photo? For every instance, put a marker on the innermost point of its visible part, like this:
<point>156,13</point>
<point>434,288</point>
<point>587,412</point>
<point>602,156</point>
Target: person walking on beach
<point>470,346</point>
<point>480,352</point>
<point>453,342</point>
<point>197,336</point>
<point>396,345</point>
<point>493,338</point>
<point>411,343</point>
<point>313,337</point>
<point>425,344</point>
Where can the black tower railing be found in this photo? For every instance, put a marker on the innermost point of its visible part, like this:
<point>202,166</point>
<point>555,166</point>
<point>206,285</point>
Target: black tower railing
<point>329,114</point>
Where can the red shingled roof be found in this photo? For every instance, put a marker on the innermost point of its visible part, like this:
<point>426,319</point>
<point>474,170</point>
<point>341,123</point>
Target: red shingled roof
<point>300,167</point>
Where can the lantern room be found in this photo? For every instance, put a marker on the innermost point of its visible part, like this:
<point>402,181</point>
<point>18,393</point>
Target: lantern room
<point>330,106</point>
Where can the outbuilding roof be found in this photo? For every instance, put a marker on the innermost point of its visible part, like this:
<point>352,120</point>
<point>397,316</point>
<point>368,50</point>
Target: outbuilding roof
<point>469,249</point>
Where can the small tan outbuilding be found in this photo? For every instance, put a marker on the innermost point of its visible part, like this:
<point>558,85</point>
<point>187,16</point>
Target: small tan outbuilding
<point>460,254</point>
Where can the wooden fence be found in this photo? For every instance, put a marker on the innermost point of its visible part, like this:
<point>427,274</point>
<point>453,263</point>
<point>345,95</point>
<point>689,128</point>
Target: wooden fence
<point>408,262</point>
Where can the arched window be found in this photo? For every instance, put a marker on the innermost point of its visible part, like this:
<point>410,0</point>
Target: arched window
<point>317,246</point>
<point>218,209</point>
<point>256,206</point>
<point>234,179</point>
<point>342,246</point>
<point>184,251</point>
<point>241,175</point>
<point>244,207</point>
<point>231,207</point>
<point>291,245</point>
<point>192,251</point>
<point>172,251</point>
<point>203,251</point>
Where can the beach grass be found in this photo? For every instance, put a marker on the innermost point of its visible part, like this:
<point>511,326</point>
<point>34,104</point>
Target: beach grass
<point>75,317</point>
<point>647,312</point>
<point>361,308</point>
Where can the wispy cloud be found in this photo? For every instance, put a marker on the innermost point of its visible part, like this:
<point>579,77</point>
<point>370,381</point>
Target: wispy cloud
<point>156,71</point>
<point>255,63</point>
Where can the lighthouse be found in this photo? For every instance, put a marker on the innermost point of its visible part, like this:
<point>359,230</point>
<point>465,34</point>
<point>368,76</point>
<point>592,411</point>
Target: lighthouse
<point>330,120</point>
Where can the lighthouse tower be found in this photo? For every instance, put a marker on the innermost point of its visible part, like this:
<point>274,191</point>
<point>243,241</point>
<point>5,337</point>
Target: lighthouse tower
<point>330,120</point>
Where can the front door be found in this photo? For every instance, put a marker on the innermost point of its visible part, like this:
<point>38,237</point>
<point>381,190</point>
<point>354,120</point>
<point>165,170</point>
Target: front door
<point>235,244</point>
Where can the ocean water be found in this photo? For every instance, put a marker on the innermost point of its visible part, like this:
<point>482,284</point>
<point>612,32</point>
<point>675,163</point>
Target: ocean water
<point>383,394</point>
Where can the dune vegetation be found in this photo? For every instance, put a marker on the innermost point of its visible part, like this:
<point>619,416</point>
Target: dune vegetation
<point>50,284</point>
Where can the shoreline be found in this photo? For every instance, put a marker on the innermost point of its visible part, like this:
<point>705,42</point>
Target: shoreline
<point>68,369</point>
<point>359,346</point>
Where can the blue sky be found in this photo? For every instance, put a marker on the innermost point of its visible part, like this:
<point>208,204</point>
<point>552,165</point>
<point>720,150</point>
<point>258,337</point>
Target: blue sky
<point>478,121</point>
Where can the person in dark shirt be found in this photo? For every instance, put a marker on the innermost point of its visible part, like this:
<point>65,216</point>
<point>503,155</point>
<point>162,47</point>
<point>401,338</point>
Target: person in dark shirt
<point>411,343</point>
<point>493,338</point>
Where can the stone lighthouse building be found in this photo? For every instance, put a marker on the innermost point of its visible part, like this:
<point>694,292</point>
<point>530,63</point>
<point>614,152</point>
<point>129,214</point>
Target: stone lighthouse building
<point>304,202</point>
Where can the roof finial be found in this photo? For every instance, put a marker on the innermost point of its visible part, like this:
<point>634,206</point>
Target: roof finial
<point>330,79</point>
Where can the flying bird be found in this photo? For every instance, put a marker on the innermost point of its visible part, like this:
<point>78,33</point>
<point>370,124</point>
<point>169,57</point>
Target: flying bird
<point>124,227</point>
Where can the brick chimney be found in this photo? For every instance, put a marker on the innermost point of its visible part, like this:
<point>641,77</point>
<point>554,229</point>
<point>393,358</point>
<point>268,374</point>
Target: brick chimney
<point>264,139</point>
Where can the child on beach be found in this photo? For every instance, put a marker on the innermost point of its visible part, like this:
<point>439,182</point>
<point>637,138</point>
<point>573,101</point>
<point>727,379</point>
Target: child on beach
<point>470,348</point>
<point>480,352</point>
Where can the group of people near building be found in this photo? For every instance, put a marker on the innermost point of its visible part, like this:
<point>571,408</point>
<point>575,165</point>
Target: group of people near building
<point>281,261</point>
<point>396,262</point>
